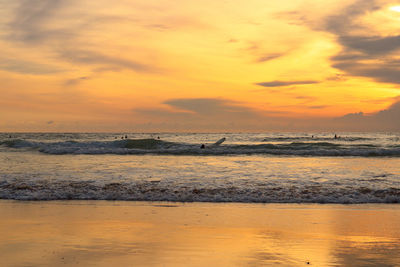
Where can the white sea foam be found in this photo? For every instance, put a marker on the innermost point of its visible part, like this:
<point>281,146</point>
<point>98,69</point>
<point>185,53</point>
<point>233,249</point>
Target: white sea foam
<point>156,191</point>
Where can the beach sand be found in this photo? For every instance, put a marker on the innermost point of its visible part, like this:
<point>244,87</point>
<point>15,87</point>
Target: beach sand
<point>108,233</point>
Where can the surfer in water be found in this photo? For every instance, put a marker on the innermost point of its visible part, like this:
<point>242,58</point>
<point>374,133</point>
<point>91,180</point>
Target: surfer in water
<point>220,141</point>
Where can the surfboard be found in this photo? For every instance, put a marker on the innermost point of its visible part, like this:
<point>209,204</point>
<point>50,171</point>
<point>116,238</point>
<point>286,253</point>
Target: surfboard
<point>220,141</point>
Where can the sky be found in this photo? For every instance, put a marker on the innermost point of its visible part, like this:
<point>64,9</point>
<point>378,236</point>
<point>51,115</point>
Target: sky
<point>209,66</point>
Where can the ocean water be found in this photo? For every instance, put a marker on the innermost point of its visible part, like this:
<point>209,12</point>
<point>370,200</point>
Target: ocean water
<point>262,167</point>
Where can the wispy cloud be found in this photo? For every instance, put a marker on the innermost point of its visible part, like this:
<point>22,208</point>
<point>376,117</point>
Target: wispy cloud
<point>31,17</point>
<point>209,106</point>
<point>75,81</point>
<point>318,107</point>
<point>269,57</point>
<point>87,57</point>
<point>203,113</point>
<point>285,83</point>
<point>27,67</point>
<point>46,25</point>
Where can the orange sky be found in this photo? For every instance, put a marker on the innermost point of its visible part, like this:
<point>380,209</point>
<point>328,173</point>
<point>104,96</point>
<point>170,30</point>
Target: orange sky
<point>154,65</point>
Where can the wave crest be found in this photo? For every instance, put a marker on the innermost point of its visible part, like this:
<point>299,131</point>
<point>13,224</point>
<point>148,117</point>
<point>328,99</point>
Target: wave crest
<point>156,146</point>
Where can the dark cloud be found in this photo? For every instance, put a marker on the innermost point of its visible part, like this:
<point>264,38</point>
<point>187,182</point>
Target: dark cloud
<point>382,72</point>
<point>392,114</point>
<point>371,45</point>
<point>345,20</point>
<point>363,55</point>
<point>285,83</point>
<point>384,120</point>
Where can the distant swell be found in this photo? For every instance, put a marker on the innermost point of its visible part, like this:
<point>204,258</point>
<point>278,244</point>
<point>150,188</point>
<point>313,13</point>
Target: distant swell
<point>159,191</point>
<point>154,146</point>
<point>311,138</point>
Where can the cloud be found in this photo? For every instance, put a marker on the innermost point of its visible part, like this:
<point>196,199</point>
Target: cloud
<point>293,18</point>
<point>208,106</point>
<point>371,45</point>
<point>285,83</point>
<point>31,17</point>
<point>87,57</point>
<point>384,120</point>
<point>75,81</point>
<point>364,54</point>
<point>269,57</point>
<point>382,72</point>
<point>46,25</point>
<point>204,114</point>
<point>27,67</point>
<point>345,20</point>
<point>318,107</point>
<point>158,26</point>
<point>208,114</point>
<point>50,122</point>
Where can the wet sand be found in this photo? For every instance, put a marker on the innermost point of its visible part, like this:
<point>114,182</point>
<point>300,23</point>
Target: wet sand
<point>107,233</point>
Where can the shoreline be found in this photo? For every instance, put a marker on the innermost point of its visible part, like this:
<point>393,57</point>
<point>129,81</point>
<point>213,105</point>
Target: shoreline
<point>104,233</point>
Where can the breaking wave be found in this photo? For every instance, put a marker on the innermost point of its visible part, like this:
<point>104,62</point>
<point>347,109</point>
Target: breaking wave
<point>156,146</point>
<point>161,191</point>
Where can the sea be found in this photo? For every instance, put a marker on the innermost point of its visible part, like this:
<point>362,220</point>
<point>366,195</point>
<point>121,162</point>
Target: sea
<point>246,167</point>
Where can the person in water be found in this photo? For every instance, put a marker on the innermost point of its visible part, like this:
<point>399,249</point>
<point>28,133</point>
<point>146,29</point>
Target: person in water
<point>202,146</point>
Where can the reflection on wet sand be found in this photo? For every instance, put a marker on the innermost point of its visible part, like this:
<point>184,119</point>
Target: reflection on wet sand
<point>105,233</point>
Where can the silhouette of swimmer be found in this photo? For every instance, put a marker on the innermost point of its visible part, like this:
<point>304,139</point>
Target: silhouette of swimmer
<point>158,137</point>
<point>202,146</point>
<point>335,136</point>
<point>126,137</point>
